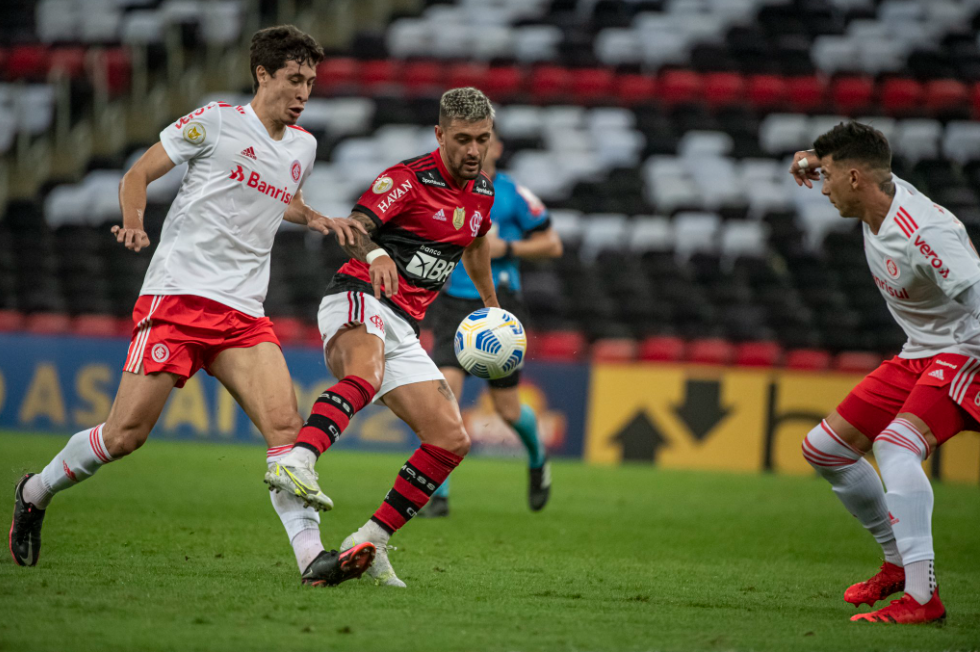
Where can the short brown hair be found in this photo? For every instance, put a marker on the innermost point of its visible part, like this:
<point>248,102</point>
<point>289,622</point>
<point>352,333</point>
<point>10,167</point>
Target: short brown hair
<point>272,47</point>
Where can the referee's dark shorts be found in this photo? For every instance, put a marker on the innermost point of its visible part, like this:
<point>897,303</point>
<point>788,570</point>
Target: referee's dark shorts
<point>447,313</point>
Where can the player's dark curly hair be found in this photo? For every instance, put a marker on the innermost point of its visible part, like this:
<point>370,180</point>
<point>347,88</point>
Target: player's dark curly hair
<point>272,47</point>
<point>853,141</point>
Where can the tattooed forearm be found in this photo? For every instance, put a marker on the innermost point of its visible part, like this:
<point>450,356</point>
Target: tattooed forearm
<point>361,244</point>
<point>888,187</point>
<point>445,391</point>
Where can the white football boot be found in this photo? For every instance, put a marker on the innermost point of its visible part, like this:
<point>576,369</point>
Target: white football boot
<point>292,475</point>
<point>380,571</point>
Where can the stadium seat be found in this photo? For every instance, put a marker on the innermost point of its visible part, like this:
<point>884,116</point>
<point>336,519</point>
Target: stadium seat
<point>423,78</point>
<point>758,354</point>
<point>593,86</point>
<point>856,361</point>
<point>767,92</point>
<point>97,326</point>
<point>11,321</point>
<point>633,89</point>
<point>852,95</point>
<point>900,97</point>
<point>681,87</point>
<point>710,351</point>
<point>549,84</point>
<point>44,323</point>
<point>808,359</point>
<point>69,61</point>
<point>661,349</point>
<point>614,350</point>
<point>945,95</point>
<point>806,94</point>
<point>558,346</point>
<point>336,76</point>
<point>503,83</point>
<point>28,62</point>
<point>469,74</point>
<point>724,89</point>
<point>379,76</point>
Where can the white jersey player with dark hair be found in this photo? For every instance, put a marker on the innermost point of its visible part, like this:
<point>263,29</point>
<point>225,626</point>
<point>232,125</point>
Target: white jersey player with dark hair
<point>201,301</point>
<point>923,263</point>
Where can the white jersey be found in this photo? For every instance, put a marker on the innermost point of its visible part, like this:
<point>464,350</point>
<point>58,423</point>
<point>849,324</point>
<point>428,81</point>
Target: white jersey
<point>218,235</point>
<point>921,259</point>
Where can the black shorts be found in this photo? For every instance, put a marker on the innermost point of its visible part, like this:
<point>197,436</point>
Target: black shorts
<point>447,313</point>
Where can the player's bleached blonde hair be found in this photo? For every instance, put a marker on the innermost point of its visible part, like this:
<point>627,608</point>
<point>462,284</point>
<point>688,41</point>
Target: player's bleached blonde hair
<point>468,104</point>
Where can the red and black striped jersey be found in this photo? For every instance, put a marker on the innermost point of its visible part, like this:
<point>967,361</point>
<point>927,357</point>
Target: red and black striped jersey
<point>425,221</point>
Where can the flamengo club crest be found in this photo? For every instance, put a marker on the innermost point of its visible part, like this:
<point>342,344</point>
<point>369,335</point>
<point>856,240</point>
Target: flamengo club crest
<point>892,268</point>
<point>459,217</point>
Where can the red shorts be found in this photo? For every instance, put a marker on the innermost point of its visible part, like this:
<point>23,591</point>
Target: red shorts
<point>182,333</point>
<point>943,391</point>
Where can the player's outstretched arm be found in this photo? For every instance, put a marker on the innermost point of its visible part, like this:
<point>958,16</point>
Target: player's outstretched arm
<point>540,244</point>
<point>299,212</point>
<point>804,168</point>
<point>132,196</point>
<point>361,247</point>
<point>476,260</point>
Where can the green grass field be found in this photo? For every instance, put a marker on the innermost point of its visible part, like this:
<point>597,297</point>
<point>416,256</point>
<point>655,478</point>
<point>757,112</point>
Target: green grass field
<point>178,548</point>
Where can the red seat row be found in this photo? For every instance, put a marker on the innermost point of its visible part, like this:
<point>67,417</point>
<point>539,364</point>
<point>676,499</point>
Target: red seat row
<point>548,83</point>
<point>35,62</point>
<point>551,346</point>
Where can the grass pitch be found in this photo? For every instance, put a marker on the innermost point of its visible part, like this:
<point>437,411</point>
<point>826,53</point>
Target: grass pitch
<point>178,548</point>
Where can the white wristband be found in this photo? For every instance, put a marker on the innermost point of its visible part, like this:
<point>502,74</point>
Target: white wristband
<point>374,255</point>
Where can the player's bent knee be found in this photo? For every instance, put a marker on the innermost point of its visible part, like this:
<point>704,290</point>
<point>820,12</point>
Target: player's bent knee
<point>124,440</point>
<point>284,428</point>
<point>826,451</point>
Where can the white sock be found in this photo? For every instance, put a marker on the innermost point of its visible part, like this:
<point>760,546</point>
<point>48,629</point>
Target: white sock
<point>299,456</point>
<point>302,523</point>
<point>900,450</point>
<point>83,455</point>
<point>855,482</point>
<point>373,532</point>
<point>920,580</point>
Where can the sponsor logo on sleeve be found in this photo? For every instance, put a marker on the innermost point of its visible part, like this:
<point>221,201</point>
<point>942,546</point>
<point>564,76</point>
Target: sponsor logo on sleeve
<point>195,133</point>
<point>431,178</point>
<point>382,185</point>
<point>296,170</point>
<point>394,195</point>
<point>931,257</point>
<point>459,217</point>
<point>483,187</point>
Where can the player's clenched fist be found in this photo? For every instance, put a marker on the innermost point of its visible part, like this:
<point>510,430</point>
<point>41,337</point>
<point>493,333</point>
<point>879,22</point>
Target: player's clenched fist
<point>343,227</point>
<point>383,273</point>
<point>133,239</point>
<point>804,168</point>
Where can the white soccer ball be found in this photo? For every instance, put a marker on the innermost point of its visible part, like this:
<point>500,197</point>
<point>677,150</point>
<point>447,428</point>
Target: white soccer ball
<point>490,343</point>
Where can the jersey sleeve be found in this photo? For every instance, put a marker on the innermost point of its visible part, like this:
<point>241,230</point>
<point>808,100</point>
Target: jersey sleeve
<point>193,136</point>
<point>388,195</point>
<point>939,253</point>
<point>532,215</point>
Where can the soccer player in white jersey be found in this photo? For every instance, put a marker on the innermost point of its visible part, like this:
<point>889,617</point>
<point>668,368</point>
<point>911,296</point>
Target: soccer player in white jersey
<point>927,270</point>
<point>201,301</point>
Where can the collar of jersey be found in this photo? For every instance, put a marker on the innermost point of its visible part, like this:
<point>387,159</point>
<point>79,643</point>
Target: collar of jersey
<point>448,178</point>
<point>257,123</point>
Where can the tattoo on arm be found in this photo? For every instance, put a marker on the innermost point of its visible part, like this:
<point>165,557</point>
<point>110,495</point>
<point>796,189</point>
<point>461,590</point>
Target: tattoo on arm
<point>361,244</point>
<point>888,187</point>
<point>445,391</point>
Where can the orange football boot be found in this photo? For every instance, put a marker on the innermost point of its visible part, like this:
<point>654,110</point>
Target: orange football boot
<point>889,579</point>
<point>907,611</point>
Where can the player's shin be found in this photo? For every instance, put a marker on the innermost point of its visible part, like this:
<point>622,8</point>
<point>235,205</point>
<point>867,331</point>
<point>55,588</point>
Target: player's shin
<point>526,427</point>
<point>855,483</point>
<point>421,475</point>
<point>302,524</point>
<point>84,454</point>
<point>900,450</point>
<point>332,413</point>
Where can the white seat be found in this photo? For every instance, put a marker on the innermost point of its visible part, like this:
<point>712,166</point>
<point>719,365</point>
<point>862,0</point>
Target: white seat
<point>567,224</point>
<point>917,139</point>
<point>695,232</point>
<point>961,141</point>
<point>34,108</point>
<point>489,42</point>
<point>99,22</point>
<point>407,37</point>
<point>142,28</point>
<point>886,126</point>
<point>666,48</point>
<point>832,54</point>
<point>537,43</point>
<point>603,232</point>
<point>782,133</point>
<point>66,204</point>
<point>182,11</point>
<point>102,187</point>
<point>744,239</point>
<point>704,143</point>
<point>876,56</point>
<point>619,148</point>
<point>518,121</point>
<point>56,20</point>
<point>615,46</point>
<point>901,11</point>
<point>651,233</point>
<point>716,180</point>
<point>221,22</point>
<point>606,119</point>
<point>357,150</point>
<point>817,219</point>
<point>563,117</point>
<point>164,189</point>
<point>754,171</point>
<point>543,173</point>
<point>765,197</point>
<point>350,115</point>
<point>821,124</point>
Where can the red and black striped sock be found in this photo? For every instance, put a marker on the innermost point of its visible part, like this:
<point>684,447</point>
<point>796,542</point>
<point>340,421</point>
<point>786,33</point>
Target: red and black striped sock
<point>425,470</point>
<point>332,413</point>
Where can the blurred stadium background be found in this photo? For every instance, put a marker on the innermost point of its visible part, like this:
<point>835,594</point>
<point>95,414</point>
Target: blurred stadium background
<point>705,314</point>
<point>658,132</point>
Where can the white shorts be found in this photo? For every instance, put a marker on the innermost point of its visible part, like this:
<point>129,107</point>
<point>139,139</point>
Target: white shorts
<point>406,362</point>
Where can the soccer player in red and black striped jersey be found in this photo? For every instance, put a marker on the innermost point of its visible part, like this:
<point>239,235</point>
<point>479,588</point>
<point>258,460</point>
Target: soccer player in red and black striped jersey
<point>423,217</point>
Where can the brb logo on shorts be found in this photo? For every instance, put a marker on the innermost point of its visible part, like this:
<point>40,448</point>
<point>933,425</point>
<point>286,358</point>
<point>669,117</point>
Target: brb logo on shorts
<point>160,353</point>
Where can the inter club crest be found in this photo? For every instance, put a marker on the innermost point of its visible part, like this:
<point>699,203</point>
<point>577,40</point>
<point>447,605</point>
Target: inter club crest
<point>296,170</point>
<point>459,218</point>
<point>892,268</point>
